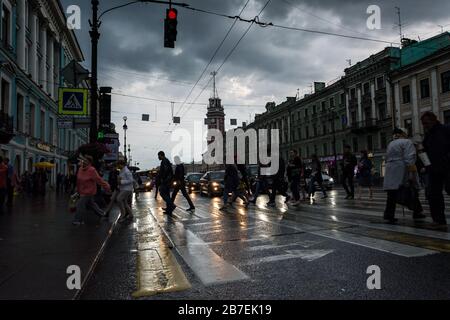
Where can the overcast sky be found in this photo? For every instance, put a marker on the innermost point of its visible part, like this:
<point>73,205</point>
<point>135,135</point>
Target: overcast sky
<point>269,64</point>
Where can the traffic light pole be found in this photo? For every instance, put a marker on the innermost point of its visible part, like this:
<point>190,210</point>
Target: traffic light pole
<point>95,36</point>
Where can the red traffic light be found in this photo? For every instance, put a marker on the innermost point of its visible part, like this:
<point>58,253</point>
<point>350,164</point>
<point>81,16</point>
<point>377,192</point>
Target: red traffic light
<point>172,14</point>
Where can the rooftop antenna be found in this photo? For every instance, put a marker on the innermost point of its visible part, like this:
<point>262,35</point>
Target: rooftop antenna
<point>214,74</point>
<point>442,28</point>
<point>400,23</point>
<point>298,94</point>
<point>349,62</point>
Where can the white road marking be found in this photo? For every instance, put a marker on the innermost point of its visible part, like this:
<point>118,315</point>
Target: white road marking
<point>308,255</point>
<point>209,267</point>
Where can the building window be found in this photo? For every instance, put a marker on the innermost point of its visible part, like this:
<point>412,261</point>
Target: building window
<point>406,93</point>
<point>307,132</point>
<point>20,113</point>
<point>445,78</point>
<point>42,126</point>
<point>314,109</point>
<point>380,83</point>
<point>369,143</point>
<point>51,131</point>
<point>355,144</point>
<point>306,113</point>
<point>382,111</point>
<point>6,27</point>
<point>5,97</point>
<point>447,117</point>
<point>354,117</point>
<point>324,106</point>
<point>31,124</point>
<point>325,149</point>
<point>343,98</point>
<point>424,88</point>
<point>315,131</point>
<point>383,140</point>
<point>353,94</point>
<point>366,88</point>
<point>409,127</point>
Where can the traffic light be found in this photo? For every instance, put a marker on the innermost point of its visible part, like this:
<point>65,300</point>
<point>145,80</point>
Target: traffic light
<point>170,28</point>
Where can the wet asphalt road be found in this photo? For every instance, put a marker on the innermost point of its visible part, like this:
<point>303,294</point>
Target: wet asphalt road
<point>315,251</point>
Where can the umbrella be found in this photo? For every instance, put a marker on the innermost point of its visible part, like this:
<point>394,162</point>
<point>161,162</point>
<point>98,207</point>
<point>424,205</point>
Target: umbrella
<point>44,165</point>
<point>134,168</point>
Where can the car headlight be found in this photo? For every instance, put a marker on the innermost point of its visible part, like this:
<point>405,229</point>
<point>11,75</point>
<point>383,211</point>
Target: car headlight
<point>215,184</point>
<point>148,184</point>
<point>332,180</point>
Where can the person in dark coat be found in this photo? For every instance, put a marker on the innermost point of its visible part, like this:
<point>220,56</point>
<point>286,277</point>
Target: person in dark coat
<point>294,172</point>
<point>165,180</point>
<point>437,146</point>
<point>231,181</point>
<point>316,176</point>
<point>365,174</point>
<point>278,184</point>
<point>349,162</point>
<point>180,184</point>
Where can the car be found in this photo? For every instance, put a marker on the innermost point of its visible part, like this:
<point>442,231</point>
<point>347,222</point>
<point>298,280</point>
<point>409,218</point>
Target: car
<point>328,182</point>
<point>193,182</point>
<point>146,182</point>
<point>212,183</point>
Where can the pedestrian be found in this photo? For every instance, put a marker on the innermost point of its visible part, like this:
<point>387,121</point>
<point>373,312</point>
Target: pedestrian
<point>242,168</point>
<point>400,170</point>
<point>9,183</point>
<point>3,184</point>
<point>365,174</point>
<point>437,148</point>
<point>180,184</point>
<point>59,182</point>
<point>279,184</point>
<point>316,177</point>
<point>125,184</point>
<point>231,184</point>
<point>113,181</point>
<point>165,177</point>
<point>262,184</point>
<point>87,181</point>
<point>294,172</point>
<point>349,163</point>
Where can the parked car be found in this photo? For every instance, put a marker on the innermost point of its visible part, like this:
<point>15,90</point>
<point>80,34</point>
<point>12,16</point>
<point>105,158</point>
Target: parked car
<point>193,182</point>
<point>212,183</point>
<point>328,182</point>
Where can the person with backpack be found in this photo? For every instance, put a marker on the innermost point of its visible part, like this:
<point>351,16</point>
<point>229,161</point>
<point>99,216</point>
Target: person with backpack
<point>365,167</point>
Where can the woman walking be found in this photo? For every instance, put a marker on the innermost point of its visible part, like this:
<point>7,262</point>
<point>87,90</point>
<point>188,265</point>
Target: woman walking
<point>365,174</point>
<point>126,185</point>
<point>316,177</point>
<point>400,170</point>
<point>87,181</point>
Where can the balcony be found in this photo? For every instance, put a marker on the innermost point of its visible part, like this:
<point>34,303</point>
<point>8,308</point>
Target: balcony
<point>353,104</point>
<point>380,95</point>
<point>368,125</point>
<point>385,123</point>
<point>6,128</point>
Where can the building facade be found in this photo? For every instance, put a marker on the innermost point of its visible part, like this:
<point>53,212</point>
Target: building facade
<point>391,88</point>
<point>35,45</point>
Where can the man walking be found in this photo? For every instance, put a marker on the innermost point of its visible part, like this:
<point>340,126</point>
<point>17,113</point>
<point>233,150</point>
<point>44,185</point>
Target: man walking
<point>278,184</point>
<point>9,183</point>
<point>3,184</point>
<point>294,172</point>
<point>165,177</point>
<point>437,147</point>
<point>348,164</point>
<point>180,184</point>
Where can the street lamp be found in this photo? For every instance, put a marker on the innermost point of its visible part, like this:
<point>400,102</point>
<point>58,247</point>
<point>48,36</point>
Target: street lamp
<point>125,128</point>
<point>333,117</point>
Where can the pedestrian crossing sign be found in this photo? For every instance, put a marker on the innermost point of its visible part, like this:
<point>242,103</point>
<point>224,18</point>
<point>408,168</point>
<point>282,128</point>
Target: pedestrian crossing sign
<point>73,102</point>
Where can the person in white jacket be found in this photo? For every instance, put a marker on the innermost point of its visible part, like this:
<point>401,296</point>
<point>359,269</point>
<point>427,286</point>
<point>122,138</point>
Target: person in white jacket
<point>401,168</point>
<point>126,183</point>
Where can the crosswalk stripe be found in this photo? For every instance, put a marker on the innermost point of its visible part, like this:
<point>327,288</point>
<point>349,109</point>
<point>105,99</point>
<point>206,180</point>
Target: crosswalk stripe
<point>377,244</point>
<point>308,255</point>
<point>209,267</point>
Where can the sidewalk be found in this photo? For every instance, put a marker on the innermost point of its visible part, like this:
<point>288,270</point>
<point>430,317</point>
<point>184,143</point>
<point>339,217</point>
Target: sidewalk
<point>38,242</point>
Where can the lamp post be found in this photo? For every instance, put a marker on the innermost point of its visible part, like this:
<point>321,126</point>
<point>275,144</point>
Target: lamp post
<point>333,128</point>
<point>125,128</point>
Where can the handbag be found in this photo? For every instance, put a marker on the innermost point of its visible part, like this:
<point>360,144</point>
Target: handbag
<point>406,196</point>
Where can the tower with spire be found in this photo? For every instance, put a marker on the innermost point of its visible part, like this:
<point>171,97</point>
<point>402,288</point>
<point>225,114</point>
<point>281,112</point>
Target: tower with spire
<point>215,115</point>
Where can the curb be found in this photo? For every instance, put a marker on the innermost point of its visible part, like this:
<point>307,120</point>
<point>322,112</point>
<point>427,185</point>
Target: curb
<point>96,259</point>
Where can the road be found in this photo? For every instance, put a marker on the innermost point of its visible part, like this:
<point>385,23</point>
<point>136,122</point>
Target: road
<point>320,250</point>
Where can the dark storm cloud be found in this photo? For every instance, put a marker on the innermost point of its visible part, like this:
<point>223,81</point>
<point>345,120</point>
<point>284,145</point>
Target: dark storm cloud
<point>269,64</point>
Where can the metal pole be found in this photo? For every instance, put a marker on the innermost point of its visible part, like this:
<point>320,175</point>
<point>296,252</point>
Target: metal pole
<point>95,35</point>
